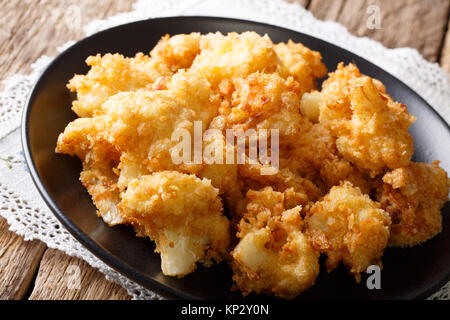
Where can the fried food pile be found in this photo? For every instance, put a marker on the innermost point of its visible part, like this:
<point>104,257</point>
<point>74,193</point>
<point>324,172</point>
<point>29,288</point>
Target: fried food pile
<point>345,186</point>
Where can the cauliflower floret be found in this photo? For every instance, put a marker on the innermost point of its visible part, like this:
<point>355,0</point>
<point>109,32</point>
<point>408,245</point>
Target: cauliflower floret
<point>140,124</point>
<point>280,181</point>
<point>182,214</point>
<point>83,138</point>
<point>335,93</point>
<point>371,129</point>
<point>414,196</point>
<point>301,62</point>
<point>223,176</point>
<point>376,137</point>
<point>113,73</point>
<point>233,56</point>
<point>109,75</point>
<point>265,101</point>
<point>178,51</point>
<point>273,256</point>
<point>347,226</point>
<point>313,155</point>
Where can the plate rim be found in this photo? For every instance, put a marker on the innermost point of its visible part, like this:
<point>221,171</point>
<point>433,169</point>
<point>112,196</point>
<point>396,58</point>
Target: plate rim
<point>98,251</point>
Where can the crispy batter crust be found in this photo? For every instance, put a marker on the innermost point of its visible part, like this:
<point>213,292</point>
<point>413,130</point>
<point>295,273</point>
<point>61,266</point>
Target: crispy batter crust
<point>182,214</point>
<point>340,149</point>
<point>347,226</point>
<point>414,196</point>
<point>273,255</point>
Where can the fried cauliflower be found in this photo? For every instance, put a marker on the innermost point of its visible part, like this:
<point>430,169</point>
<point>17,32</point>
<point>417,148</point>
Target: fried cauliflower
<point>265,101</point>
<point>331,173</point>
<point>414,196</point>
<point>348,226</point>
<point>182,214</point>
<point>273,255</point>
<point>110,74</point>
<point>301,62</point>
<point>83,138</point>
<point>371,129</point>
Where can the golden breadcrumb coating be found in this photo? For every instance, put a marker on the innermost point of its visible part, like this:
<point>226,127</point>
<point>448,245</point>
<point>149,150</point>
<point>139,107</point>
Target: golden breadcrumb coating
<point>176,52</point>
<point>234,56</point>
<point>83,138</point>
<point>223,58</point>
<point>182,214</point>
<point>348,226</point>
<point>109,75</point>
<point>301,62</point>
<point>140,124</point>
<point>314,155</point>
<point>280,181</point>
<point>113,73</point>
<point>371,129</point>
<point>336,90</point>
<point>265,101</point>
<point>223,176</point>
<point>336,147</point>
<point>273,255</point>
<point>414,196</point>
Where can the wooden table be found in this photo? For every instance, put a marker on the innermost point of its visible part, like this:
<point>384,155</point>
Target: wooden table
<point>31,28</point>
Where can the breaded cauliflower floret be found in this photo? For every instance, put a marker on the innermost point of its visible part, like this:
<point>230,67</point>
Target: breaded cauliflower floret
<point>335,106</point>
<point>314,155</point>
<point>377,135</point>
<point>301,62</point>
<point>371,129</point>
<point>283,179</point>
<point>109,75</point>
<point>83,138</point>
<point>224,58</point>
<point>265,101</point>
<point>234,56</point>
<point>182,214</point>
<point>414,196</point>
<point>178,51</point>
<point>348,226</point>
<point>273,256</point>
<point>141,124</point>
<point>223,176</point>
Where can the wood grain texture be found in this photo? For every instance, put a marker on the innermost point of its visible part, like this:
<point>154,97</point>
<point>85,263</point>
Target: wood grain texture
<point>61,277</point>
<point>31,28</point>
<point>19,260</point>
<point>403,23</point>
<point>445,54</point>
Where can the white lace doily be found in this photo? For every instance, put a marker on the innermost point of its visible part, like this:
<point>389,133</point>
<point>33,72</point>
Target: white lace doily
<point>26,212</point>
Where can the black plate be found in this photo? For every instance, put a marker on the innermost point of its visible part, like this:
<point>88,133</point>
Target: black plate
<point>407,274</point>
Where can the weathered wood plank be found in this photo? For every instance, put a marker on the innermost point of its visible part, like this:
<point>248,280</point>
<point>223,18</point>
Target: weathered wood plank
<point>19,260</point>
<point>403,23</point>
<point>445,54</point>
<point>61,277</point>
<point>31,28</point>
